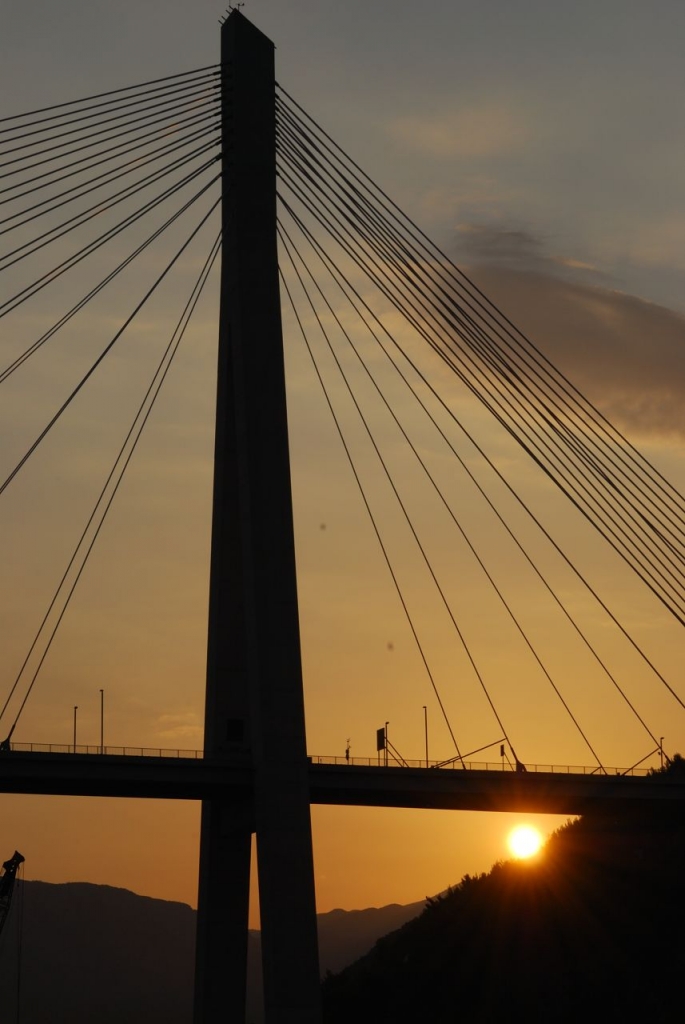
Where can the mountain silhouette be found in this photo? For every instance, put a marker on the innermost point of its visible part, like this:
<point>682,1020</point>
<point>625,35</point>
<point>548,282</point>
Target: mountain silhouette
<point>93,954</point>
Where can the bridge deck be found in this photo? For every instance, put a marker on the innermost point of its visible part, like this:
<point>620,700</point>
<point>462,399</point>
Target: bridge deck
<point>338,784</point>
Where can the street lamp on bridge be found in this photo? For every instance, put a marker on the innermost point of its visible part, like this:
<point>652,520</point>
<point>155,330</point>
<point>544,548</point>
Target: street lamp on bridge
<point>425,729</point>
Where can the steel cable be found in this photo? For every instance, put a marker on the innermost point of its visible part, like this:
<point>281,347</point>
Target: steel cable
<point>86,377</point>
<point>479,675</point>
<point>476,335</point>
<point>36,345</point>
<point>469,288</point>
<point>48,277</point>
<point>643,570</point>
<point>350,290</point>
<point>104,503</point>
<point>107,177</point>
<point>39,242</point>
<point>213,68</point>
<point>372,520</point>
<point>56,175</point>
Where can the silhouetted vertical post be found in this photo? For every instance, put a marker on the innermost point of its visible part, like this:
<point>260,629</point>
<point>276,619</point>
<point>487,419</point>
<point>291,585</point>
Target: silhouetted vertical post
<point>425,726</point>
<point>254,678</point>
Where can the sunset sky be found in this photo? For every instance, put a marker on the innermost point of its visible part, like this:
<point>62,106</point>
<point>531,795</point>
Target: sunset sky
<point>542,146</point>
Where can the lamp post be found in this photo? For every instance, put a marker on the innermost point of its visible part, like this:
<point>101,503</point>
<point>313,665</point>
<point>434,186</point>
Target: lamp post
<point>425,729</point>
<point>75,710</point>
<point>661,749</point>
<point>386,743</point>
<point>102,721</point>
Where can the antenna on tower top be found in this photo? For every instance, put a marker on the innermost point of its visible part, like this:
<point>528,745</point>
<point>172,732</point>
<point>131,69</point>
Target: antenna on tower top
<point>231,8</point>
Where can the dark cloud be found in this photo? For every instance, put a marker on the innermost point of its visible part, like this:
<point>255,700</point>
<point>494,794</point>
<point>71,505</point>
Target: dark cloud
<point>625,354</point>
<point>502,247</point>
<point>516,248</point>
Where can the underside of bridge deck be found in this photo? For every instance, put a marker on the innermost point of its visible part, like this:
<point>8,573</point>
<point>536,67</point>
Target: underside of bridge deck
<point>230,779</point>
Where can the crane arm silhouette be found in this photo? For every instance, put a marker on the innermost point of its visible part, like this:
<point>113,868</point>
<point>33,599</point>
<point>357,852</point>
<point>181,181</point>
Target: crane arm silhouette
<point>7,880</point>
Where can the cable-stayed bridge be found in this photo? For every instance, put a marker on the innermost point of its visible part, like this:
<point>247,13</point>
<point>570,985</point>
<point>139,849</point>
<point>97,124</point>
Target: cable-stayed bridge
<point>168,175</point>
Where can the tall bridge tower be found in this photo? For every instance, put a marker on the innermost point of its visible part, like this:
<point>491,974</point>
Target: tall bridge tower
<point>254,704</point>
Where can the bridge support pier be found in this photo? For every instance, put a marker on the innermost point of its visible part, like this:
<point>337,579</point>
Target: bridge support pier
<point>223,904</point>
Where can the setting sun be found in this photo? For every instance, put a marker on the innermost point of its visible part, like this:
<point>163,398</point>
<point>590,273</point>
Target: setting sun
<point>524,841</point>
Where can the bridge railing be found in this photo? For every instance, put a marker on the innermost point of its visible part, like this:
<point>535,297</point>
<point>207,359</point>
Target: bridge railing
<point>368,762</point>
<point>490,766</point>
<point>80,748</point>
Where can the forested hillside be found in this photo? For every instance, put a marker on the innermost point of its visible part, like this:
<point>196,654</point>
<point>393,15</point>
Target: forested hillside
<point>591,929</point>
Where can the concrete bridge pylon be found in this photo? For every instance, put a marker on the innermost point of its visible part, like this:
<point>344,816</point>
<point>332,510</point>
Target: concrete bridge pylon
<point>254,703</point>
